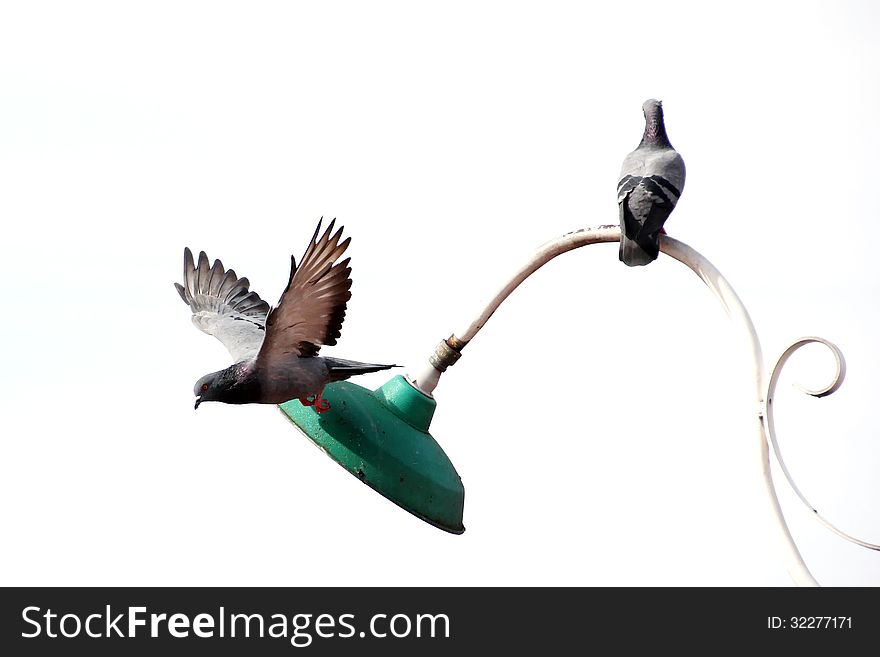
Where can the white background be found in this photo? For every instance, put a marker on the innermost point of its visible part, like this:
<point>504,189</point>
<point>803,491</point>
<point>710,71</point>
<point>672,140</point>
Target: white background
<point>602,422</point>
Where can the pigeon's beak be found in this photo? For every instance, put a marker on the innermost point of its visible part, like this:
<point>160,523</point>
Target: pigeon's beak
<point>198,401</point>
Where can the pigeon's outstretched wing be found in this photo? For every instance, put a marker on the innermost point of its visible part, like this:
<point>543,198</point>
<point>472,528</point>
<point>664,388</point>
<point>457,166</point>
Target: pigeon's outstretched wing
<point>223,306</point>
<point>312,307</point>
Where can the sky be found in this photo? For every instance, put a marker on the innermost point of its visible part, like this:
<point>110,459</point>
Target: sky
<point>602,421</point>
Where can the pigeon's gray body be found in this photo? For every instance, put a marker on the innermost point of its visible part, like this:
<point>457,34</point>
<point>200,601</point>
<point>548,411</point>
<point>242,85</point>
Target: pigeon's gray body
<point>651,182</point>
<point>274,349</point>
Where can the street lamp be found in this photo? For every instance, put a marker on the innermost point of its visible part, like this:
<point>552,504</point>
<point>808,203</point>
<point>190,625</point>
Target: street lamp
<point>382,436</point>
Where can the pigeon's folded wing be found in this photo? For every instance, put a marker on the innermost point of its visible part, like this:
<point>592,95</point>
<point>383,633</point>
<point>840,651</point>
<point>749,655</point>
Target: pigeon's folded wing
<point>312,307</point>
<point>223,306</point>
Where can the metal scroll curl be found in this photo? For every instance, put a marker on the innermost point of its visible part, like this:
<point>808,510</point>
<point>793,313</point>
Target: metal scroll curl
<point>767,414</point>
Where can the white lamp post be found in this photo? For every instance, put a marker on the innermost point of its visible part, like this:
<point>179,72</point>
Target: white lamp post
<point>449,351</point>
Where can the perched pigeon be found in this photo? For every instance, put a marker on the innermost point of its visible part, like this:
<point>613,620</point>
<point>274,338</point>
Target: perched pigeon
<point>651,180</point>
<point>275,350</point>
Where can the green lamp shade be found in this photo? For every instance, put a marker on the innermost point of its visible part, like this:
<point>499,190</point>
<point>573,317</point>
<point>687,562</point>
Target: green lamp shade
<point>381,436</point>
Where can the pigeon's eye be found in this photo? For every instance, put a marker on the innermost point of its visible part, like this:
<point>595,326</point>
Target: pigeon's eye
<point>204,387</point>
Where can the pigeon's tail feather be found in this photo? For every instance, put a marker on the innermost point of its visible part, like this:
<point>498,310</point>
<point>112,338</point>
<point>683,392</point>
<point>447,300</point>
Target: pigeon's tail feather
<point>634,255</point>
<point>641,220</point>
<point>341,369</point>
<point>213,289</point>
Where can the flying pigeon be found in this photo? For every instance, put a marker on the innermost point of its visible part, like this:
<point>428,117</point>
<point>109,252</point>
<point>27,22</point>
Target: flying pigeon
<point>275,350</point>
<point>651,181</point>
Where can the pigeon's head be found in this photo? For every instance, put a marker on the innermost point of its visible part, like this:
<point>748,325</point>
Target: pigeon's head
<point>655,130</point>
<point>214,386</point>
<point>652,107</point>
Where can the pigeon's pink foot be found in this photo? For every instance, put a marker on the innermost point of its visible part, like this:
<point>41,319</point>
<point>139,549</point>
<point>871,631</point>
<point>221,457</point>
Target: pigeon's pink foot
<point>305,401</point>
<point>321,405</point>
<point>662,230</point>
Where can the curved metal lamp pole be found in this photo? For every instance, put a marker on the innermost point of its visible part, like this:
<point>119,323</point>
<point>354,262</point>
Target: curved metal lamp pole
<point>449,351</point>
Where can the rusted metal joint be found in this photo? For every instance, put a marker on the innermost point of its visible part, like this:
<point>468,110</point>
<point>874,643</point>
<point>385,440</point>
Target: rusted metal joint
<point>447,353</point>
